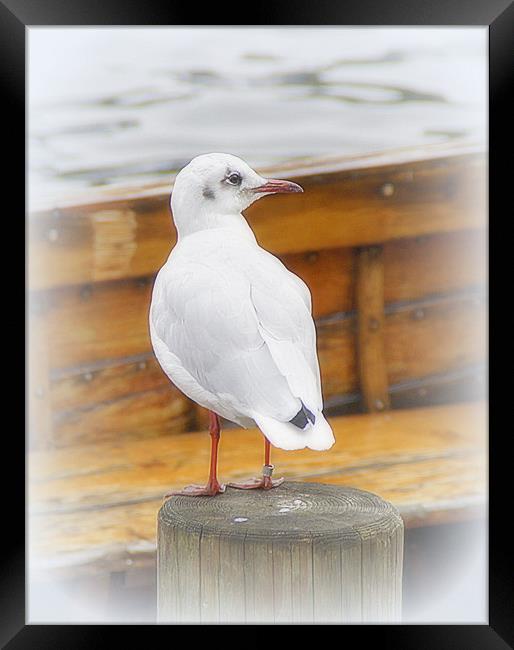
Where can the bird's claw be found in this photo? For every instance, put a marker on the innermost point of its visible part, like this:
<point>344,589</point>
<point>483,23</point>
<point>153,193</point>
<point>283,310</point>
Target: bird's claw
<point>208,490</point>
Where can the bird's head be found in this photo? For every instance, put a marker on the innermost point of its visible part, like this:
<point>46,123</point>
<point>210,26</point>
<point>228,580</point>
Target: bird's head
<point>214,185</point>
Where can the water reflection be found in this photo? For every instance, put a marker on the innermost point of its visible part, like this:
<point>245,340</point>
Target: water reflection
<point>132,105</point>
<point>363,92</point>
<point>140,98</point>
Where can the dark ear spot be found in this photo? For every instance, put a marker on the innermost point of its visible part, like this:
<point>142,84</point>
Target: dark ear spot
<point>207,193</point>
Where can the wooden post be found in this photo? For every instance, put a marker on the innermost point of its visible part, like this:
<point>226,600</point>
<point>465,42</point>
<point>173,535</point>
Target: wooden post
<point>302,552</point>
<point>370,340</point>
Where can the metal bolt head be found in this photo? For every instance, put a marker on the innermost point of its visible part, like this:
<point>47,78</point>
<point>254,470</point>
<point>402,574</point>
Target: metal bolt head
<point>418,314</point>
<point>379,405</point>
<point>88,376</point>
<point>387,189</point>
<point>373,324</point>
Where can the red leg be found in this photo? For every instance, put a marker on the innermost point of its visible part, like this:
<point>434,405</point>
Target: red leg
<point>213,487</point>
<point>265,482</point>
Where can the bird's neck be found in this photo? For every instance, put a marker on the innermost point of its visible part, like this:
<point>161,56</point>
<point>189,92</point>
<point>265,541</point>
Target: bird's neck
<point>200,221</point>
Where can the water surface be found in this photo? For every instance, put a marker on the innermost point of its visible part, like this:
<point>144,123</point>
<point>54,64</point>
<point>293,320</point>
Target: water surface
<point>128,106</point>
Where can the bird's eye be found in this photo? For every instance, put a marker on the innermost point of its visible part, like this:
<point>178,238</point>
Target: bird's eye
<point>234,178</point>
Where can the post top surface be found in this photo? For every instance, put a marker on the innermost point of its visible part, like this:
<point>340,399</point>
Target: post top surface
<point>290,511</point>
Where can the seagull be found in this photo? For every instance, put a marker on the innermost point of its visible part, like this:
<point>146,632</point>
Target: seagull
<point>230,325</point>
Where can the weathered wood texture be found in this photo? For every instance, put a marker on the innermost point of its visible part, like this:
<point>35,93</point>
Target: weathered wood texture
<point>347,203</point>
<point>102,380</point>
<point>427,339</point>
<point>85,322</point>
<point>370,322</point>
<point>93,508</point>
<point>300,553</point>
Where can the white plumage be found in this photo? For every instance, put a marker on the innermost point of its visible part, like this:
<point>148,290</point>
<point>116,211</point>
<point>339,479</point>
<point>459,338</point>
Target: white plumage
<point>230,325</point>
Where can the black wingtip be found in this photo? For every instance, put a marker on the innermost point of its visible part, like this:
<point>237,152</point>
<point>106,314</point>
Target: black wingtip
<point>303,417</point>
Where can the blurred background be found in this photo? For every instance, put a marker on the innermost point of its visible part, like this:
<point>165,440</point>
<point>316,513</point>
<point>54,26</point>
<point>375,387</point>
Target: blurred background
<point>125,106</point>
<point>385,128</point>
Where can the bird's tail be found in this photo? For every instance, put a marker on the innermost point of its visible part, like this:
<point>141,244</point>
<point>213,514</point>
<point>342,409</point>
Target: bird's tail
<point>285,435</point>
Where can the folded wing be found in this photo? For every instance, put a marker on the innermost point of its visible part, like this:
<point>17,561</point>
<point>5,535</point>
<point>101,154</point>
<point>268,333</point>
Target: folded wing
<point>246,338</point>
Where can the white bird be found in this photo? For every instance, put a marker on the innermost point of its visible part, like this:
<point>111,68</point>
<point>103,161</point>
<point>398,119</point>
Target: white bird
<point>230,325</point>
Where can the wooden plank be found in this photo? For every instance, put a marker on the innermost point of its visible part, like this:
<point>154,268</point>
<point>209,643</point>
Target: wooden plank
<point>88,324</point>
<point>187,541</point>
<point>68,247</point>
<point>351,562</point>
<point>423,339</point>
<point>466,384</point>
<point>87,345</point>
<point>98,322</point>
<point>337,346</point>
<point>282,582</point>
<point>360,210</point>
<point>380,582</point>
<point>302,586</point>
<point>430,463</point>
<point>209,589</point>
<point>327,579</point>
<point>167,569</point>
<point>434,264</point>
<point>370,318</point>
<point>146,414</point>
<point>329,274</point>
<point>109,320</point>
<point>258,570</point>
<point>94,403</point>
<point>106,380</point>
<point>349,206</point>
<point>435,335</point>
<point>230,578</point>
<point>131,397</point>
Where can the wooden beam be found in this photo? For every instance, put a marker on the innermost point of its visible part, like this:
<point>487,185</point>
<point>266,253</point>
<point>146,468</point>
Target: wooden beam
<point>354,204</point>
<point>109,320</point>
<point>369,290</point>
<point>130,395</point>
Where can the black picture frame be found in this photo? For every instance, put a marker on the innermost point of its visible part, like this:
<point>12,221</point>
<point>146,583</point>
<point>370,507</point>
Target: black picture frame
<point>15,17</point>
